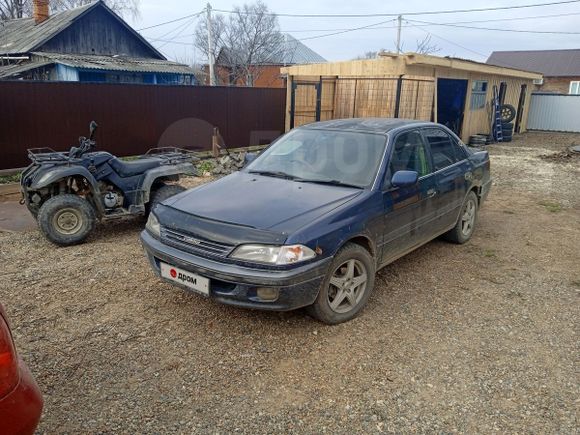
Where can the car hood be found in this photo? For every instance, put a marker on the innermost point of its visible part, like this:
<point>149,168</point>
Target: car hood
<point>262,202</point>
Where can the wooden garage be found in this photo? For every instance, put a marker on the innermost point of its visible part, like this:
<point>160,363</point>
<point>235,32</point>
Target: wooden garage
<point>454,92</point>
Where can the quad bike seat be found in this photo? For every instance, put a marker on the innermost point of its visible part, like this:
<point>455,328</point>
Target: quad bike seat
<point>135,167</point>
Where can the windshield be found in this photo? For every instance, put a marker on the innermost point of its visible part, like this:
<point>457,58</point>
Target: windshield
<point>338,157</point>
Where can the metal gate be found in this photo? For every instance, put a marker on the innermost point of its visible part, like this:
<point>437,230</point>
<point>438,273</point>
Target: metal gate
<point>554,112</point>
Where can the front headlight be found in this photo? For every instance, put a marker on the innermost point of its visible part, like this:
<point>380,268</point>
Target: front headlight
<point>153,226</point>
<point>287,254</point>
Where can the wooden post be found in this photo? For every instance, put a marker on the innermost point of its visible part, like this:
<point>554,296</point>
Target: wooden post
<point>398,96</point>
<point>217,143</point>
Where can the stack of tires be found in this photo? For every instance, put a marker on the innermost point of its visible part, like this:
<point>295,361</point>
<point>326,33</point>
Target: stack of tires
<point>479,140</point>
<point>508,113</point>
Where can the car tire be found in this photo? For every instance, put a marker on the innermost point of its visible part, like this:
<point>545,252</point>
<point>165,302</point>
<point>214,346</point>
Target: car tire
<point>465,225</point>
<point>66,219</point>
<point>508,113</point>
<point>162,193</point>
<point>350,278</point>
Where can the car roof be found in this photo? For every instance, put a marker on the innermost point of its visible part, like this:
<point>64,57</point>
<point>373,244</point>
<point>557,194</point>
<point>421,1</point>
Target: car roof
<point>370,125</point>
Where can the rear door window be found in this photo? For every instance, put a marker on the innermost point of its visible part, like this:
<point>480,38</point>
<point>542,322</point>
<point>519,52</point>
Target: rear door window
<point>445,151</point>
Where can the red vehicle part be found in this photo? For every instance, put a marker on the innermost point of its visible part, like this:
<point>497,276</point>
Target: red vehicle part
<point>20,399</point>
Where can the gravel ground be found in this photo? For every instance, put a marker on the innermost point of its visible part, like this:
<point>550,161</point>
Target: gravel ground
<point>474,338</point>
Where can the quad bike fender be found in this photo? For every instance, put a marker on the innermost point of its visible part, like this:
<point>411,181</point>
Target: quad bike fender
<point>162,172</point>
<point>55,174</point>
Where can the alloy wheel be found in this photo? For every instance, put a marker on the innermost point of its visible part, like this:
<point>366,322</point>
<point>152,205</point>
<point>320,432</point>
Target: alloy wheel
<point>347,286</point>
<point>468,217</point>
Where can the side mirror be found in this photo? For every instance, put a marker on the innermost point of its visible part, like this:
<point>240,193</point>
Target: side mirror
<point>249,158</point>
<point>404,178</point>
<point>92,127</point>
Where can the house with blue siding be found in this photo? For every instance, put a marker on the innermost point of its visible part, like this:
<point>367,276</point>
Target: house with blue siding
<point>90,43</point>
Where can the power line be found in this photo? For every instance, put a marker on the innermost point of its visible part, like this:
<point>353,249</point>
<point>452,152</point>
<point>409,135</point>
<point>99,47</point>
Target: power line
<point>377,27</point>
<point>514,19</point>
<point>175,29</point>
<point>345,31</point>
<point>452,11</point>
<point>384,15</point>
<point>448,41</point>
<point>181,29</point>
<point>549,32</point>
<point>454,22</point>
<point>172,21</point>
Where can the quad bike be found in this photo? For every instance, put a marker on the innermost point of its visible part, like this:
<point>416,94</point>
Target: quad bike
<point>68,192</point>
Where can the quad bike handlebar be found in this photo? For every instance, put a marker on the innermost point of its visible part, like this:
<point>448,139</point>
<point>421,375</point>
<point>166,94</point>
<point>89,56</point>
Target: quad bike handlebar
<point>85,144</point>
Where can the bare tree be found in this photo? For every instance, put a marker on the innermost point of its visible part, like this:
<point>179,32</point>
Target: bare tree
<point>249,39</point>
<point>10,9</point>
<point>426,47</point>
<point>368,55</point>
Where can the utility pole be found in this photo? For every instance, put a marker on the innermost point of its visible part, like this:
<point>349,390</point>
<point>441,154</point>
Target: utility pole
<point>400,20</point>
<point>210,47</point>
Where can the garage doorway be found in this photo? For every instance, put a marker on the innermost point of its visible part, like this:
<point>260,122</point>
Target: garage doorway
<point>451,95</point>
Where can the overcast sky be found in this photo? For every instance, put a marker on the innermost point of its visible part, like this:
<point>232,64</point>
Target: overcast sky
<point>466,43</point>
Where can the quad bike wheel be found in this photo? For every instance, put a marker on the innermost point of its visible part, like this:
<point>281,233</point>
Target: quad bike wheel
<point>162,193</point>
<point>66,219</point>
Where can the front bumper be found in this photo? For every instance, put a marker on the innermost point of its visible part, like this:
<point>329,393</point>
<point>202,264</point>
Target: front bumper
<point>237,285</point>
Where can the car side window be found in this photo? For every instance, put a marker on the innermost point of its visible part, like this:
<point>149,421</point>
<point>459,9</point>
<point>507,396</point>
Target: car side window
<point>460,151</point>
<point>410,154</point>
<point>444,150</point>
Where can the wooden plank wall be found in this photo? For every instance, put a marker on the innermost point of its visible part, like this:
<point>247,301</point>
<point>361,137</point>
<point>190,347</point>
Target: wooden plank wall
<point>305,104</point>
<point>417,99</point>
<point>361,90</point>
<point>362,97</point>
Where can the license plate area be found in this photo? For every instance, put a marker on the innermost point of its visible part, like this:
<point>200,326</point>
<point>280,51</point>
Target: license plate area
<point>190,280</point>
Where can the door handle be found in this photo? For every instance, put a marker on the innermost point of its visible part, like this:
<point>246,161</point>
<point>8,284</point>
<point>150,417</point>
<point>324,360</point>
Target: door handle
<point>431,193</point>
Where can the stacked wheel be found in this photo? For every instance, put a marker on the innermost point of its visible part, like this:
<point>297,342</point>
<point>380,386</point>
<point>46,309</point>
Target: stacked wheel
<point>507,129</point>
<point>479,140</point>
<point>508,114</point>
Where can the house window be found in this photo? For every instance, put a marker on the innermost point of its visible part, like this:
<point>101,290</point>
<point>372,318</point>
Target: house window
<point>574,88</point>
<point>478,94</point>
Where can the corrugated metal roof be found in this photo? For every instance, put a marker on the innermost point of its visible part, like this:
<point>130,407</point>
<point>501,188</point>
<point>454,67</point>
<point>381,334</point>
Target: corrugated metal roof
<point>92,62</point>
<point>13,70</point>
<point>551,63</point>
<point>23,35</point>
<point>295,52</point>
<point>115,63</point>
<point>289,52</point>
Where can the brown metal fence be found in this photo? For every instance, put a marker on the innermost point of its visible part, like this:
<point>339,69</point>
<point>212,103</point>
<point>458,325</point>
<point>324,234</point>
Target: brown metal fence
<point>133,118</point>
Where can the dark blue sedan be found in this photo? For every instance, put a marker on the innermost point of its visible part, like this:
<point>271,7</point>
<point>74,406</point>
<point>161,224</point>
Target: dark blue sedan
<point>310,221</point>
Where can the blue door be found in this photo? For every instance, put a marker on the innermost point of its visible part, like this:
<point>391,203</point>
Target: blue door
<point>409,211</point>
<point>451,95</point>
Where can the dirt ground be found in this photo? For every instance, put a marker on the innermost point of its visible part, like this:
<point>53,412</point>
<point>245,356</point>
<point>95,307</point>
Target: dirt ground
<point>474,338</point>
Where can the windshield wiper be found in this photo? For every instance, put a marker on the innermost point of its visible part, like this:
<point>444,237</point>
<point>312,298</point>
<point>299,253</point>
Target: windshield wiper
<point>329,182</point>
<point>278,174</point>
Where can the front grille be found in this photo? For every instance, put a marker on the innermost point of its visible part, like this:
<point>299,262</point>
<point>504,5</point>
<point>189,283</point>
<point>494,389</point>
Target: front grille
<point>194,244</point>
